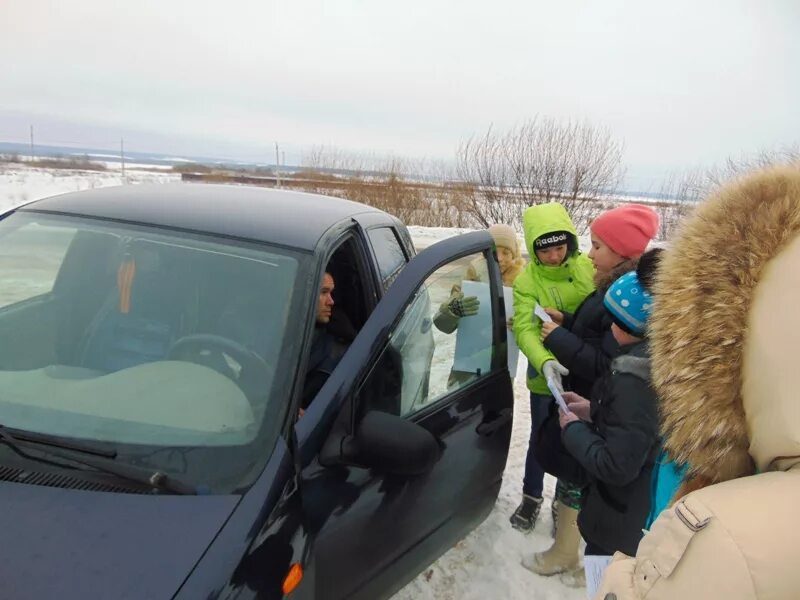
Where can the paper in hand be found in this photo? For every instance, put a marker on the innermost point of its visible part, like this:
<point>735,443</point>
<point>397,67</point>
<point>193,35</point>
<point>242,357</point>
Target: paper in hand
<point>556,391</point>
<point>539,312</point>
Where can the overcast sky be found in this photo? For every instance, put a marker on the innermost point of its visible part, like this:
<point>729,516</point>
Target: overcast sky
<point>681,82</point>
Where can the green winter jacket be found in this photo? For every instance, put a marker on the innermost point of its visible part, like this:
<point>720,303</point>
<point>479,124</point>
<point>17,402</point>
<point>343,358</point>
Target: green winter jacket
<point>563,287</point>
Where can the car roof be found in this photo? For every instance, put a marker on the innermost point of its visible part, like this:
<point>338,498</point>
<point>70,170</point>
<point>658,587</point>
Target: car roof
<point>276,216</point>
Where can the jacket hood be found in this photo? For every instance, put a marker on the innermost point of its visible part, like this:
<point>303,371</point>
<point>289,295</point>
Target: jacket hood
<point>546,218</point>
<point>724,332</point>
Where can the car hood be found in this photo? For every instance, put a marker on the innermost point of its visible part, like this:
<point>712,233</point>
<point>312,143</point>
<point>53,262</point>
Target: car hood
<point>79,544</point>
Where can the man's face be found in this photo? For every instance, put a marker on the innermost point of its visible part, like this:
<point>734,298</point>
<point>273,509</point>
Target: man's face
<point>325,303</point>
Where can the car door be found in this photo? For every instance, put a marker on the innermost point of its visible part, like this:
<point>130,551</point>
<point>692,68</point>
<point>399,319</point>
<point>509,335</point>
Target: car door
<point>375,527</point>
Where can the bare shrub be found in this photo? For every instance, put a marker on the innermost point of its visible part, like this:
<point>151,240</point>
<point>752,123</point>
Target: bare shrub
<point>735,167</point>
<point>191,168</point>
<point>81,163</point>
<point>415,191</point>
<point>685,191</point>
<point>542,160</point>
<point>681,193</point>
<point>10,158</point>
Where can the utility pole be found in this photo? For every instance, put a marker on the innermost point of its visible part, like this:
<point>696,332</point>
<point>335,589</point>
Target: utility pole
<point>122,155</point>
<point>33,154</point>
<point>277,166</point>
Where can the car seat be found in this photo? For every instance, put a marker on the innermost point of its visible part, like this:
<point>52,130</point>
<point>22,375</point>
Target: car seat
<point>142,316</point>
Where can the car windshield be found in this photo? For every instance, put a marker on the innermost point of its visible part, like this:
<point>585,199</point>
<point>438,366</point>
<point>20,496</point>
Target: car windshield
<point>169,347</point>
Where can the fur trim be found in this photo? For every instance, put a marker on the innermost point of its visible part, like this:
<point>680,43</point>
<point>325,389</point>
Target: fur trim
<point>513,271</point>
<point>603,281</point>
<point>637,366</point>
<point>704,287</point>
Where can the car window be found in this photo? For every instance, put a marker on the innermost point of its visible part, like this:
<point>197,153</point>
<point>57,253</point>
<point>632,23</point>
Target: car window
<point>442,342</point>
<point>30,259</point>
<point>388,252</point>
<point>147,338</point>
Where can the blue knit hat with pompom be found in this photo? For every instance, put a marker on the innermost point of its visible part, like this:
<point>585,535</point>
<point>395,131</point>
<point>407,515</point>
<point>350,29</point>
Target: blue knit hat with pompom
<point>629,304</point>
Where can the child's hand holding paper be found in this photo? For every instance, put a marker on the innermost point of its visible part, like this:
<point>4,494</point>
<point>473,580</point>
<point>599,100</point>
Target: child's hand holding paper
<point>540,312</point>
<point>555,389</point>
<point>578,405</point>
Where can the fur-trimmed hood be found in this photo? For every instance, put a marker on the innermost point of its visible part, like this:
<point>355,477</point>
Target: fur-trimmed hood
<point>477,271</point>
<point>724,335</point>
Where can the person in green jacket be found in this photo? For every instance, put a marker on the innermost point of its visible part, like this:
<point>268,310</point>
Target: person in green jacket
<point>558,276</point>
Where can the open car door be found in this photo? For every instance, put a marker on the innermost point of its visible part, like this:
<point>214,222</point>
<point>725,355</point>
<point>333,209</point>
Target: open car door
<point>403,449</point>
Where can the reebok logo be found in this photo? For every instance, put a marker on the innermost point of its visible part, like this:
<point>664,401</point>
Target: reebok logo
<point>552,240</point>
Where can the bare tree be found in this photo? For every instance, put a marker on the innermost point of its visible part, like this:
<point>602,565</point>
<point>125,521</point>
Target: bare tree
<point>490,194</point>
<point>542,160</point>
<point>736,167</point>
<point>682,192</point>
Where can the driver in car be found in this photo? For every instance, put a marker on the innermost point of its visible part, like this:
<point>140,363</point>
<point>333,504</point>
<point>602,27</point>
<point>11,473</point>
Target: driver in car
<point>333,334</point>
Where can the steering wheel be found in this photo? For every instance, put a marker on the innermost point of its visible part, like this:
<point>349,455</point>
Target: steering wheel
<point>217,352</point>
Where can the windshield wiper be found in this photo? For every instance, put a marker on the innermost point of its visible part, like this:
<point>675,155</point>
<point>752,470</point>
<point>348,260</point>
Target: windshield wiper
<point>94,458</point>
<point>57,442</point>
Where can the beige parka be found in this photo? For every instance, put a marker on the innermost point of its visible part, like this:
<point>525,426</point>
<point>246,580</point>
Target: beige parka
<point>725,345</point>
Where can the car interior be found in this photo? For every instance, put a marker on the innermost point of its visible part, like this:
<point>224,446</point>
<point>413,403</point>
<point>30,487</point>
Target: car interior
<point>122,303</point>
<point>350,294</point>
<point>352,298</point>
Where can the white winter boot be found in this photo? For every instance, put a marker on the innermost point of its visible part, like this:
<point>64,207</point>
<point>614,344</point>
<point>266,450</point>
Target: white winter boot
<point>563,554</point>
<point>576,578</point>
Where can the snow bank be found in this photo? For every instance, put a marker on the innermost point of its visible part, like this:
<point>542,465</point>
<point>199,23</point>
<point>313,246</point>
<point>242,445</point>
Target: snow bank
<point>20,183</point>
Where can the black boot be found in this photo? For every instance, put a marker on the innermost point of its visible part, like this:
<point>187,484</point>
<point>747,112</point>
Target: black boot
<point>524,518</point>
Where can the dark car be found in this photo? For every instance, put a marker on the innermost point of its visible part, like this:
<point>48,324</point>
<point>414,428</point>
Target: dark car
<point>155,343</point>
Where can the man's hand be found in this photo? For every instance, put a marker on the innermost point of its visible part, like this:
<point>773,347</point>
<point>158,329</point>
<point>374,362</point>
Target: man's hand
<point>552,369</point>
<point>464,306</point>
<point>510,323</point>
<point>556,315</point>
<point>565,419</point>
<point>547,329</point>
<point>578,405</point>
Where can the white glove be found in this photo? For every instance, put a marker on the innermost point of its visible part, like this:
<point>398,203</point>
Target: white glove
<point>553,371</point>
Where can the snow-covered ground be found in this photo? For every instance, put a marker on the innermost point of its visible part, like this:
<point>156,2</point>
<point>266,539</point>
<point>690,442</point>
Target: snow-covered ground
<point>484,565</point>
<point>21,183</point>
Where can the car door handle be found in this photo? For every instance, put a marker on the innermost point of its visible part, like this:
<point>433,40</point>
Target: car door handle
<point>488,427</point>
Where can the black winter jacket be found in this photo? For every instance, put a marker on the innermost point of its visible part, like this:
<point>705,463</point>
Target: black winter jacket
<point>618,450</point>
<point>584,344</point>
<point>327,348</point>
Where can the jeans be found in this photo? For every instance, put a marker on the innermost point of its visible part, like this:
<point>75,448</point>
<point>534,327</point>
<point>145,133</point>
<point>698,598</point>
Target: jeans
<point>533,483</point>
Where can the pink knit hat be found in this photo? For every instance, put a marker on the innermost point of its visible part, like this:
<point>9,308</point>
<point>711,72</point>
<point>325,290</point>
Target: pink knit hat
<point>627,229</point>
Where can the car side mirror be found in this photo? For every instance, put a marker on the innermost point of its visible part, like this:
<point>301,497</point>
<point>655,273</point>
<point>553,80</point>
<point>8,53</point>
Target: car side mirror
<point>391,444</point>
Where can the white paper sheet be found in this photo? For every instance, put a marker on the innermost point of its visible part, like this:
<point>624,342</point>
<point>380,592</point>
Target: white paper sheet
<point>473,353</point>
<point>556,391</point>
<point>474,333</point>
<point>513,349</point>
<point>594,567</point>
<point>539,312</point>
